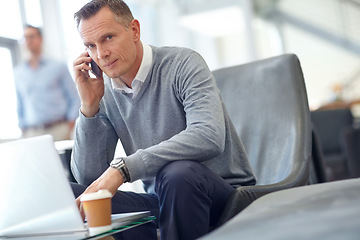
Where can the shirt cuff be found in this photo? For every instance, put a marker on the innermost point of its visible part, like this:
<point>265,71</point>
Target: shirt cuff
<point>136,166</point>
<point>88,123</point>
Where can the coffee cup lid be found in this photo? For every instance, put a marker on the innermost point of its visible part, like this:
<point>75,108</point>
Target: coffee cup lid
<point>96,195</point>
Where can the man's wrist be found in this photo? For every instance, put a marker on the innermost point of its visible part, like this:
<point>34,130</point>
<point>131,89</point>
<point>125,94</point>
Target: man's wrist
<point>119,164</point>
<point>88,111</point>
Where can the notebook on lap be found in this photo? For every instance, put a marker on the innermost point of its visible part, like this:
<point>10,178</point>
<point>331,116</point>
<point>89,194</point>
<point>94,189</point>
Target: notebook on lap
<point>36,197</point>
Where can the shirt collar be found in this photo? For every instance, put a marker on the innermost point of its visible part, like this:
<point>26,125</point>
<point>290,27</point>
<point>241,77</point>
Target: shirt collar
<point>142,73</point>
<point>145,63</point>
<point>41,61</point>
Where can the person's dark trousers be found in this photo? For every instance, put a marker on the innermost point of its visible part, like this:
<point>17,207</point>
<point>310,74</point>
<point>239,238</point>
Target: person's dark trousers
<point>190,199</point>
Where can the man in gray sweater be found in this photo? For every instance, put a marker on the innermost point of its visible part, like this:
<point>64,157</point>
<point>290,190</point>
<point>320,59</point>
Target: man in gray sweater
<point>164,106</point>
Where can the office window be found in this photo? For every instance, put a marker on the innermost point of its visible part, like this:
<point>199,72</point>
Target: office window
<point>72,41</point>
<point>11,26</point>
<point>33,13</point>
<point>9,121</point>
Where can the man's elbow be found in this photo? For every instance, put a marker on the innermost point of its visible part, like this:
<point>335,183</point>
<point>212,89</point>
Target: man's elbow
<point>219,146</point>
<point>79,175</point>
<point>216,144</point>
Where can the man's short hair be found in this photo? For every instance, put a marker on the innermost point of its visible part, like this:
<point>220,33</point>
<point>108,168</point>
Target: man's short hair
<point>119,8</point>
<point>36,28</point>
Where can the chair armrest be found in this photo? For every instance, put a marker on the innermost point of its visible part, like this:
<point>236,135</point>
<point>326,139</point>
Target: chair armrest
<point>243,196</point>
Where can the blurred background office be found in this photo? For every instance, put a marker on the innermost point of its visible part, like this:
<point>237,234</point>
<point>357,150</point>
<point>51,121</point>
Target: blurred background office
<point>325,34</point>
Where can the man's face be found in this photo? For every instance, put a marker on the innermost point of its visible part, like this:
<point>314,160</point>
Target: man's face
<point>109,43</point>
<point>33,40</point>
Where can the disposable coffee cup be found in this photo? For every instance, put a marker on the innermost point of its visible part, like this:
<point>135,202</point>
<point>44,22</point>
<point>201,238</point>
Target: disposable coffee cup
<point>97,208</point>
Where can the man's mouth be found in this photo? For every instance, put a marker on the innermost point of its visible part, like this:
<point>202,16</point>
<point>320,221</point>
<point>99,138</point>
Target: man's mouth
<point>110,64</point>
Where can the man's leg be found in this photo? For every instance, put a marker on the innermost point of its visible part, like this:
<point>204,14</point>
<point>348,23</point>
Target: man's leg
<point>191,198</point>
<point>123,202</point>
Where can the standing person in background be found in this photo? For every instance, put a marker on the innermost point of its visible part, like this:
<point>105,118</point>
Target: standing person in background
<point>47,99</point>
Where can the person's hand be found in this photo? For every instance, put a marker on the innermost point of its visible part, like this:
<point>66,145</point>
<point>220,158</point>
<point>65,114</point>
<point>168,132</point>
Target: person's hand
<point>111,180</point>
<point>91,90</point>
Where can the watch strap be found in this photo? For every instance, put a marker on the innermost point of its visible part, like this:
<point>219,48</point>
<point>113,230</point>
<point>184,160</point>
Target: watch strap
<point>119,164</point>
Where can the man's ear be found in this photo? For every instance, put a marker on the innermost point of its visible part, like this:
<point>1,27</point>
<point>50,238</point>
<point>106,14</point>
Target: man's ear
<point>135,28</point>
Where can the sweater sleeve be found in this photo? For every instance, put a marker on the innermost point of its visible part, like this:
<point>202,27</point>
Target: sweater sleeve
<point>204,136</point>
<point>91,158</point>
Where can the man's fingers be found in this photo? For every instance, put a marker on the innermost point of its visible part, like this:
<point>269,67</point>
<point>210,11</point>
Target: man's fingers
<point>83,58</point>
<point>83,63</point>
<point>82,213</point>
<point>80,207</point>
<point>82,68</point>
<point>77,201</point>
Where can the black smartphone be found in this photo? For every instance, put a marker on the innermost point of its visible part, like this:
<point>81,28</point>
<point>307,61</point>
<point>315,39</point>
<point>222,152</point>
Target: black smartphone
<point>95,69</point>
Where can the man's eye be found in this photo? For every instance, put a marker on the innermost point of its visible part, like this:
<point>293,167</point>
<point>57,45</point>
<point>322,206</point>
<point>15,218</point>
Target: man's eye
<point>109,37</point>
<point>90,46</point>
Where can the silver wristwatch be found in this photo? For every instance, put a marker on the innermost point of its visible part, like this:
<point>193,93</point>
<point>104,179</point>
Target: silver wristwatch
<point>119,164</point>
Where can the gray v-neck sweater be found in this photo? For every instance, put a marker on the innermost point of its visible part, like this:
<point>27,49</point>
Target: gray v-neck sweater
<point>177,115</point>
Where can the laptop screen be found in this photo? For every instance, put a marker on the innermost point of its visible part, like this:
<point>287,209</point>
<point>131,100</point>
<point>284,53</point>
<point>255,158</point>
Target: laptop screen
<point>36,196</point>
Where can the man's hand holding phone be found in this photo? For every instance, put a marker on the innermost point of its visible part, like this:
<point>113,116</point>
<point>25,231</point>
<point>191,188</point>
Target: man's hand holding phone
<point>95,69</point>
<point>91,90</point>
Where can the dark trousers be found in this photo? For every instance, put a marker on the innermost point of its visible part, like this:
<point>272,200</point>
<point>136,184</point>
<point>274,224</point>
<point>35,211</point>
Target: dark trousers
<point>189,199</point>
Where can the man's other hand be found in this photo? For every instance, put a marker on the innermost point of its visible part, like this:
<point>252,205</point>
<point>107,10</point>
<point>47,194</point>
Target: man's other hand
<point>111,180</point>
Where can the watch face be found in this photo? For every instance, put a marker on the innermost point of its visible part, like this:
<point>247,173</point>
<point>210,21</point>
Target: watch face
<point>116,162</point>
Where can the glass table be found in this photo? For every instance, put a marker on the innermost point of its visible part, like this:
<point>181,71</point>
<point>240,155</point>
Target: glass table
<point>122,228</point>
<point>83,235</point>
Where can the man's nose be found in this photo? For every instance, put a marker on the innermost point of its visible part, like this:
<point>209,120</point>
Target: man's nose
<point>102,52</point>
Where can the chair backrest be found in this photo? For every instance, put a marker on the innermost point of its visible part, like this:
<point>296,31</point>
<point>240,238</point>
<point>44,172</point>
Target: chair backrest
<point>267,103</point>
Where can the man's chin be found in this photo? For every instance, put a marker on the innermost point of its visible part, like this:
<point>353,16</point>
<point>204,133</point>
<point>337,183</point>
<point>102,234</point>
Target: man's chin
<point>111,75</point>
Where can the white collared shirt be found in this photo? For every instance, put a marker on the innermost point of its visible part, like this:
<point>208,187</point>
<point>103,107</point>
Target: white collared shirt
<point>136,84</point>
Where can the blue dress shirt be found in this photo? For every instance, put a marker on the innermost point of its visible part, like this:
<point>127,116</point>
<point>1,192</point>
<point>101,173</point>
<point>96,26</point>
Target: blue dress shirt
<point>46,94</point>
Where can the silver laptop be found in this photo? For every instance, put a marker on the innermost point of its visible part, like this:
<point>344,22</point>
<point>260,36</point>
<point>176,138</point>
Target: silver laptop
<point>36,197</point>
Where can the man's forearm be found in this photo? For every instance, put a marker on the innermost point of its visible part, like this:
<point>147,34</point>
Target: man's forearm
<point>94,147</point>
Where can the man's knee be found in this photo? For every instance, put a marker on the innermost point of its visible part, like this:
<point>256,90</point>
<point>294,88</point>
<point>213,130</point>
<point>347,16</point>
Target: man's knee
<point>177,174</point>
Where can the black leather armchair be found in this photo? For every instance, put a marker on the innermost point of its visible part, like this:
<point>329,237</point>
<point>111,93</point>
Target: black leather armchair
<point>268,105</point>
